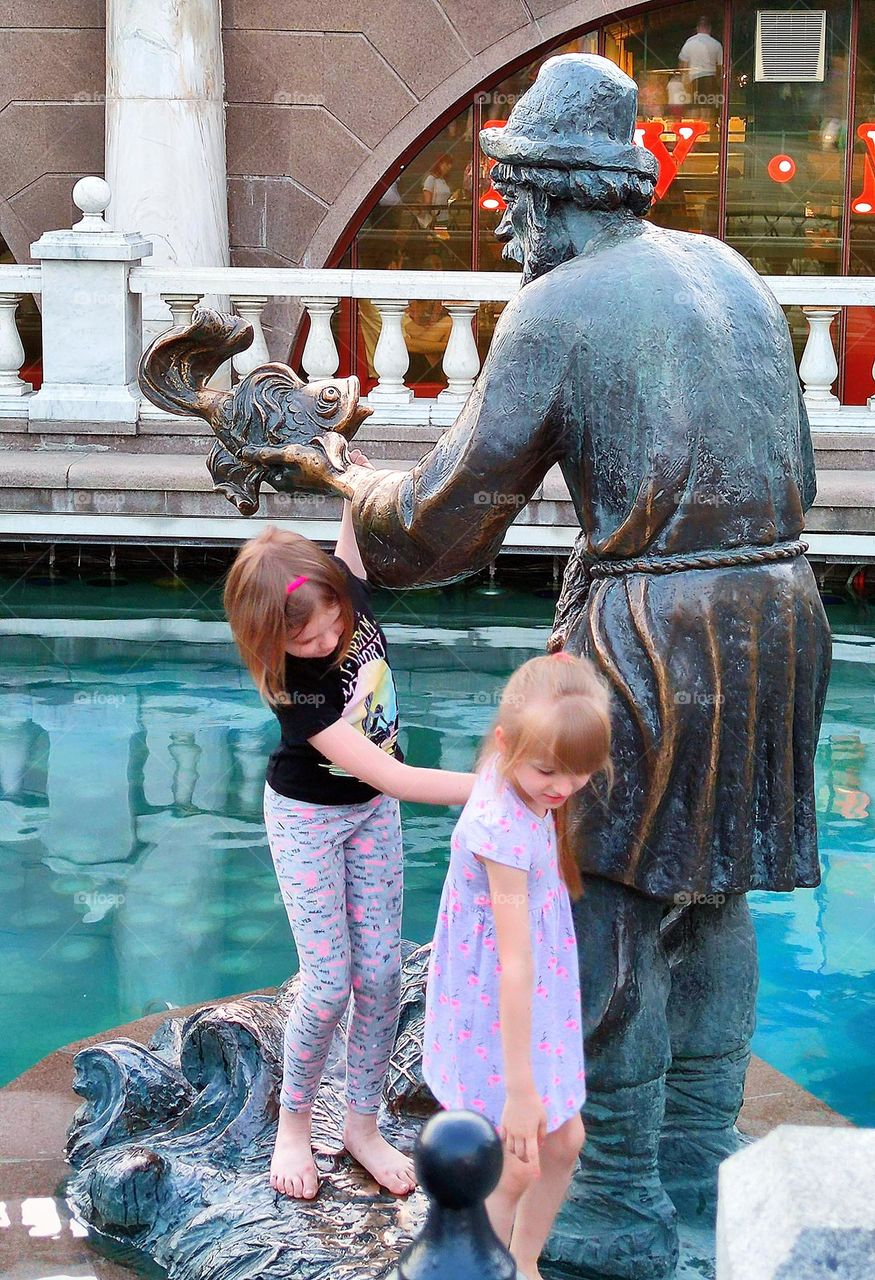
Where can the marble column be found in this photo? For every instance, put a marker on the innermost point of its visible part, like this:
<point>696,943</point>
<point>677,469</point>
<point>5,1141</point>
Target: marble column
<point>165,134</point>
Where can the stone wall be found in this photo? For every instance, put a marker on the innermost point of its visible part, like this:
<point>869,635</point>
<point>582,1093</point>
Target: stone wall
<point>323,96</point>
<point>52,84</point>
<point>316,117</point>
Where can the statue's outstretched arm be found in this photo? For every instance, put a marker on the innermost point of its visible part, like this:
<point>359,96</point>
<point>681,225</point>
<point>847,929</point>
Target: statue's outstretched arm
<point>447,517</point>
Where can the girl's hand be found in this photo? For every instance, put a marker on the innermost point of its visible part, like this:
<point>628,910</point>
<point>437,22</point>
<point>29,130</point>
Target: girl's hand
<point>523,1126</point>
<point>360,460</point>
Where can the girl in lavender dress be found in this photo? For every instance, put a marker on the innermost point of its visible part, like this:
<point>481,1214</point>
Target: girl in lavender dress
<point>503,1021</point>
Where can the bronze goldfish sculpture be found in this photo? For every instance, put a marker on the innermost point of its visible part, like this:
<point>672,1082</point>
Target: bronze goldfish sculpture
<point>263,425</point>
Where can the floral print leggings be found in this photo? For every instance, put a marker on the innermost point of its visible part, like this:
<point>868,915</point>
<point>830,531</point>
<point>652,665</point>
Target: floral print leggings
<point>340,873</point>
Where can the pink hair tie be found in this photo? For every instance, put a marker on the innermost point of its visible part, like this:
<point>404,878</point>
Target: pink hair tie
<point>562,656</point>
<point>295,583</point>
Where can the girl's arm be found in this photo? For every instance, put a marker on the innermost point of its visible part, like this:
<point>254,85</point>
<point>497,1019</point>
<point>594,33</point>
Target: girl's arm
<point>350,750</point>
<point>524,1120</point>
<point>347,548</point>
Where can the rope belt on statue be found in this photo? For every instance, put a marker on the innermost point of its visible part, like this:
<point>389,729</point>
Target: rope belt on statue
<point>695,560</point>
<point>582,570</point>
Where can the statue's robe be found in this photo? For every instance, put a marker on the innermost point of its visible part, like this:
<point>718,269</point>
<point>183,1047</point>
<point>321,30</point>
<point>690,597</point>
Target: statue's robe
<point>656,369</point>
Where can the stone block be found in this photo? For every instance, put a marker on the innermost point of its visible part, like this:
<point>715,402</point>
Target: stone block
<point>38,138</point>
<point>210,503</point>
<point>304,143</point>
<point>33,500</point>
<point>798,1205</point>
<point>414,36</point>
<point>480,25</point>
<point>246,211</point>
<point>291,215</point>
<point>45,205</point>
<point>74,14</point>
<point>300,506</point>
<point>280,67</point>
<point>361,90</point>
<point>34,468</point>
<point>52,66</point>
<point>168,471</point>
<point>554,486</point>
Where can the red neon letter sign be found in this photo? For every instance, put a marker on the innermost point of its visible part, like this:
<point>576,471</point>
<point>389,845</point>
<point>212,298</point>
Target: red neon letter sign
<point>670,161</point>
<point>865,201</point>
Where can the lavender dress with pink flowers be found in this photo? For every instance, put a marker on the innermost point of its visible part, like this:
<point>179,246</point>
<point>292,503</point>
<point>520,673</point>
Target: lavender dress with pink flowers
<point>462,1059</point>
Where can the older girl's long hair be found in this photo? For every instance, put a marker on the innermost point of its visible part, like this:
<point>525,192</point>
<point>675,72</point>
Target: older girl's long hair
<point>556,710</point>
<point>263,614</point>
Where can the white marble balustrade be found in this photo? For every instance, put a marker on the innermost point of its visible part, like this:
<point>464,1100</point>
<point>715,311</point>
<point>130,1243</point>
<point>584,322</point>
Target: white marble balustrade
<point>320,292</point>
<point>461,293</point>
<point>15,282</point>
<point>100,306</point>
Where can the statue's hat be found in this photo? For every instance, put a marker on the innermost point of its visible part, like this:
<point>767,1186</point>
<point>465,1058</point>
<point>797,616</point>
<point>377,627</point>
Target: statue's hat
<point>579,114</point>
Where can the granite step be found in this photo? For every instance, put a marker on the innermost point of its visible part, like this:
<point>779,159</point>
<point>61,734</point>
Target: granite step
<point>178,484</point>
<point>834,449</point>
<point>845,450</point>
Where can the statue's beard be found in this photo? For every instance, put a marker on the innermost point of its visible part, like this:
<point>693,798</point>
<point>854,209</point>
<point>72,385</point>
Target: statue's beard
<point>545,243</point>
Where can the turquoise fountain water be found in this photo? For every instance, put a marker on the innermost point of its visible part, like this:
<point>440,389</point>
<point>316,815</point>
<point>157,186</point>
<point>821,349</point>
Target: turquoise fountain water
<point>135,874</point>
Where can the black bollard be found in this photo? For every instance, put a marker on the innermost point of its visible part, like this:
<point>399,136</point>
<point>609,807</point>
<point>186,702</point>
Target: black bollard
<point>458,1161</point>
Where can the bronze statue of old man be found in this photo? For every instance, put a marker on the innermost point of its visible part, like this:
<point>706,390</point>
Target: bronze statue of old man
<point>656,368</point>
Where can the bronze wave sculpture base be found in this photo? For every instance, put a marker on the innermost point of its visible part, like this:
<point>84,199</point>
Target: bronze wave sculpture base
<point>172,1146</point>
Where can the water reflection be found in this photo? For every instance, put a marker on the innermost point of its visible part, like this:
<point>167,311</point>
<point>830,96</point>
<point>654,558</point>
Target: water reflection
<point>135,871</point>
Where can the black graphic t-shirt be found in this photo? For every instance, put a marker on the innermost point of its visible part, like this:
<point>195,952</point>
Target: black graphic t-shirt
<point>361,690</point>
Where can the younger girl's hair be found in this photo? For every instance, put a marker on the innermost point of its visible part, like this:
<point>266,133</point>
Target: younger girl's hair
<point>263,613</point>
<point>555,710</point>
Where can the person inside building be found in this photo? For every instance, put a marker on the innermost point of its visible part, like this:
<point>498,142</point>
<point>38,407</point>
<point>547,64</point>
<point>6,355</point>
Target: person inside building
<point>701,59</point>
<point>436,192</point>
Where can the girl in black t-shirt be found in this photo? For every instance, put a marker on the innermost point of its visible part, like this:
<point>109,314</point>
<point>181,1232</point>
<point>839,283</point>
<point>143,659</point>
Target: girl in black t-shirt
<point>303,622</point>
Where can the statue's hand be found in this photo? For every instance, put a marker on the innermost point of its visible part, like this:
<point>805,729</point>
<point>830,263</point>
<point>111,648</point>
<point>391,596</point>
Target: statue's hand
<point>319,465</point>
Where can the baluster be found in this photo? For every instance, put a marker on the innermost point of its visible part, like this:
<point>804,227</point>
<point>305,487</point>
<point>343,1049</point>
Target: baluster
<point>249,307</point>
<point>461,362</point>
<point>182,307</point>
<point>11,354</point>
<point>818,367</point>
<point>391,358</point>
<point>320,357</point>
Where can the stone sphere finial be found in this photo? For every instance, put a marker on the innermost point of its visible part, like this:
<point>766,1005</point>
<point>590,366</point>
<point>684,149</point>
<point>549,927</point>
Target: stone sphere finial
<point>458,1160</point>
<point>91,195</point>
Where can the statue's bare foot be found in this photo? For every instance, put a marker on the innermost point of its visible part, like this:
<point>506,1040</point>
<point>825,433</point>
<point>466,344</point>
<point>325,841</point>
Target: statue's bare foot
<point>389,1167</point>
<point>292,1171</point>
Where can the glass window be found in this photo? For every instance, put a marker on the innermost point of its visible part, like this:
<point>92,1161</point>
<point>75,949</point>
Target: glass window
<point>676,56</point>
<point>785,172</point>
<point>860,321</point>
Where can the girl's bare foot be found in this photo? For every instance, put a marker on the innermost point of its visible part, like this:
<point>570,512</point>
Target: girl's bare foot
<point>386,1165</point>
<point>292,1171</point>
